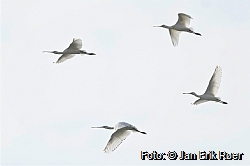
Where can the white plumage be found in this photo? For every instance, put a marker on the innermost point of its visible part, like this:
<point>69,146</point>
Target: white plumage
<point>180,26</point>
<point>211,90</point>
<point>214,82</point>
<point>122,131</point>
<point>68,53</point>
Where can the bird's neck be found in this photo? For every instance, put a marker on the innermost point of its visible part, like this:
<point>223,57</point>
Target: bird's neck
<point>111,128</point>
<point>57,52</point>
<point>195,94</point>
<point>165,26</point>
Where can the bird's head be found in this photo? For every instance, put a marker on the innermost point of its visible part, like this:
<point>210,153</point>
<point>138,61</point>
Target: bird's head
<point>51,51</point>
<point>192,93</point>
<point>105,127</point>
<point>163,26</point>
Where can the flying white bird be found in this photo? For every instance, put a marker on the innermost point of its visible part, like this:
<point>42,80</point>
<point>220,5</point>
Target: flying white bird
<point>212,89</point>
<point>122,130</point>
<point>74,48</point>
<point>180,26</point>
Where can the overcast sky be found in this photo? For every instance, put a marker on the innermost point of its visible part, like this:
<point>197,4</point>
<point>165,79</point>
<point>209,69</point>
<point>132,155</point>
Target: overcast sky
<point>138,77</point>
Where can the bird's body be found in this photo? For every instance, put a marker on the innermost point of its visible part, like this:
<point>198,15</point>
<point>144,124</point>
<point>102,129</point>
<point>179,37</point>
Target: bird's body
<point>211,90</point>
<point>122,131</point>
<point>180,26</point>
<point>68,53</point>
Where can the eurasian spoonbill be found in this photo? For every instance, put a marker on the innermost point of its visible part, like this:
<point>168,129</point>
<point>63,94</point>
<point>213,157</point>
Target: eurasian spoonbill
<point>74,48</point>
<point>212,89</point>
<point>122,131</point>
<point>180,26</point>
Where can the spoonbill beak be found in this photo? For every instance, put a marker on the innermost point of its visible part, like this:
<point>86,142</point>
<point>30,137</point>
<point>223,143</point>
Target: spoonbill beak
<point>47,51</point>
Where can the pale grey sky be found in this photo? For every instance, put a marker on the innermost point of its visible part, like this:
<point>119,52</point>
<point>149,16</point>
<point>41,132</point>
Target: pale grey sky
<point>47,110</point>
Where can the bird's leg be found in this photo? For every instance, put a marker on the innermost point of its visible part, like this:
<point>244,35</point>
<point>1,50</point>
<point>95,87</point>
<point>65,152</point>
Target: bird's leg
<point>82,52</point>
<point>197,33</point>
<point>91,53</point>
<point>192,31</point>
<point>140,131</point>
<point>223,102</point>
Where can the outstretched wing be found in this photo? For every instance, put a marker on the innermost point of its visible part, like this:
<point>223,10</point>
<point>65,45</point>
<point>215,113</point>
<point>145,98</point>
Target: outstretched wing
<point>174,36</point>
<point>214,82</point>
<point>65,57</point>
<point>183,19</point>
<point>75,45</point>
<point>122,125</point>
<point>116,139</point>
<point>199,101</point>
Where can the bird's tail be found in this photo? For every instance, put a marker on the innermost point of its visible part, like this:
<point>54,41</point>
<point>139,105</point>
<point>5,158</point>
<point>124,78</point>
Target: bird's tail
<point>191,29</point>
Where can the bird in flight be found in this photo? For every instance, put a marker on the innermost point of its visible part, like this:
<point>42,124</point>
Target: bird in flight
<point>122,131</point>
<point>180,26</point>
<point>212,89</point>
<point>74,48</point>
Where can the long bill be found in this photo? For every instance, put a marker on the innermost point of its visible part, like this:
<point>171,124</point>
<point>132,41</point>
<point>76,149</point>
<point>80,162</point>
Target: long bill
<point>54,52</point>
<point>105,127</point>
<point>186,93</point>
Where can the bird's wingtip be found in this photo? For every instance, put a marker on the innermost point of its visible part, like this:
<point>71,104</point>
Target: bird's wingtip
<point>106,151</point>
